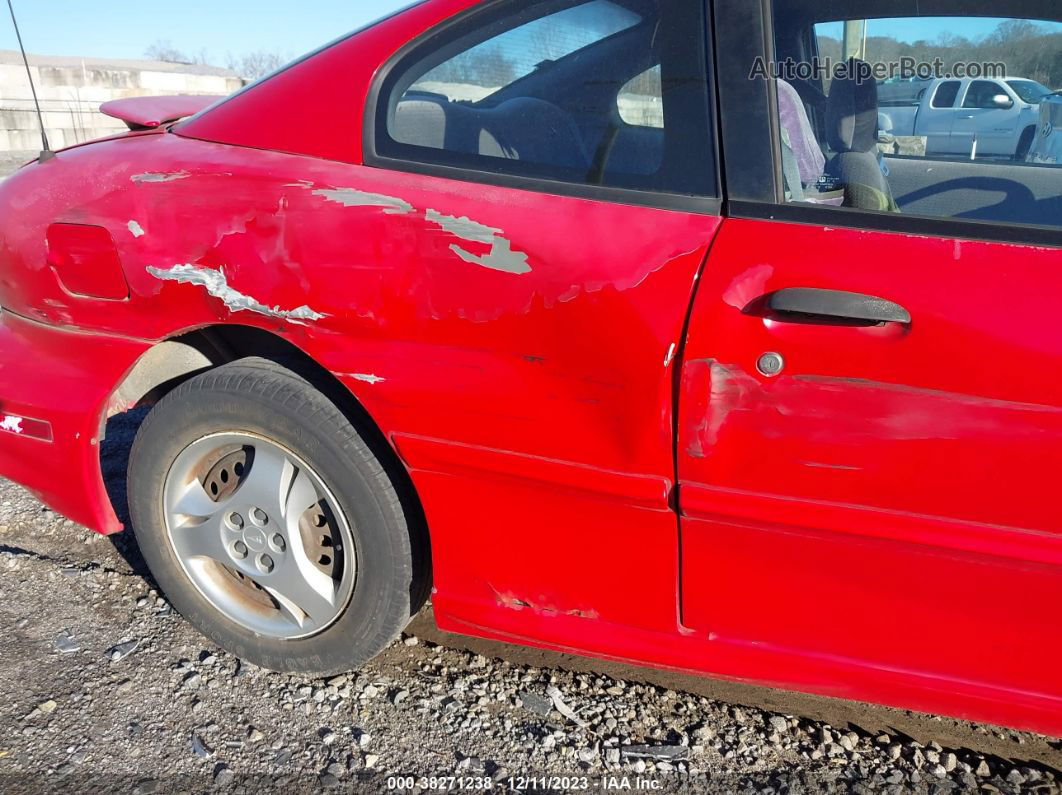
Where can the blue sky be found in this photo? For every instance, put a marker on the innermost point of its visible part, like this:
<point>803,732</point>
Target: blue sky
<point>124,28</point>
<point>929,28</point>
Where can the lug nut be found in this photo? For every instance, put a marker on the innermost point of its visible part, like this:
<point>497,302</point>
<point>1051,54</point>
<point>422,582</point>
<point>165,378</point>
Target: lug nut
<point>259,517</point>
<point>240,549</point>
<point>278,542</point>
<point>265,563</point>
<point>236,520</point>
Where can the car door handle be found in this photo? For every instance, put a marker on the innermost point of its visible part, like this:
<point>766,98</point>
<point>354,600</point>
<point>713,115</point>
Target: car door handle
<point>807,301</point>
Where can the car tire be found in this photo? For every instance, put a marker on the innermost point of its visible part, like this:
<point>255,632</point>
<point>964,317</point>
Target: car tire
<point>1024,144</point>
<point>248,571</point>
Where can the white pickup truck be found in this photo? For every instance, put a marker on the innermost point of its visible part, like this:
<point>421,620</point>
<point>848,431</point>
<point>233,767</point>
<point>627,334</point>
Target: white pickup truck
<point>968,117</point>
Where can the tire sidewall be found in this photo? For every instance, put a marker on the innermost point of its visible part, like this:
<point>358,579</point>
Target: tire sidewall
<point>345,465</point>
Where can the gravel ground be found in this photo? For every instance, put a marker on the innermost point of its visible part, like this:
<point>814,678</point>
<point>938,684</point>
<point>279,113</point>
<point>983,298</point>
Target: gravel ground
<point>104,687</point>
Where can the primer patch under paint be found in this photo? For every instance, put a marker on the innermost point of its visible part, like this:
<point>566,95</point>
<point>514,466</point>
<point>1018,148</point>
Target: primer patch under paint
<point>349,197</point>
<point>501,256</point>
<point>670,357</point>
<point>136,229</point>
<point>368,378</point>
<point>151,177</point>
<point>11,423</point>
<point>217,285</point>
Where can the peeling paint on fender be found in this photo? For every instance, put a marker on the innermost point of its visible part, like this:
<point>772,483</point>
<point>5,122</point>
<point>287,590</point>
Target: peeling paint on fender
<point>464,228</point>
<point>135,229</point>
<point>368,378</point>
<point>501,256</point>
<point>512,602</point>
<point>152,177</point>
<point>349,197</point>
<point>216,284</point>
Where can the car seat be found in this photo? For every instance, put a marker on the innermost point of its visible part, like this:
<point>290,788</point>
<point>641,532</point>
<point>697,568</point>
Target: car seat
<point>523,128</point>
<point>852,126</point>
<point>802,158</point>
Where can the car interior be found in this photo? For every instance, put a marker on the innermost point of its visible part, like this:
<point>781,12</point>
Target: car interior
<point>562,120</point>
<point>842,118</point>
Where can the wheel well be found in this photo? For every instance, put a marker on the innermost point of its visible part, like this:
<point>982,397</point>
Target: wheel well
<point>174,361</point>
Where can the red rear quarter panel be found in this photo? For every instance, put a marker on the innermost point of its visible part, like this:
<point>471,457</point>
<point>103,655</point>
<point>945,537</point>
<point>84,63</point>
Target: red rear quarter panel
<point>527,397</point>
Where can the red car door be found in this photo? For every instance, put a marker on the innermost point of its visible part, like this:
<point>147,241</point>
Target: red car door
<point>870,435</point>
<point>887,495</point>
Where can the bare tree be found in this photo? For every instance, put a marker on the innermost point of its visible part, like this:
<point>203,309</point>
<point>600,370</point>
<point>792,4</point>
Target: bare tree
<point>163,50</point>
<point>256,64</point>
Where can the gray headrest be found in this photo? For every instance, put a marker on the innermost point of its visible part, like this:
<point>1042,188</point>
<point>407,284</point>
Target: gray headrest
<point>852,109</point>
<point>538,131</point>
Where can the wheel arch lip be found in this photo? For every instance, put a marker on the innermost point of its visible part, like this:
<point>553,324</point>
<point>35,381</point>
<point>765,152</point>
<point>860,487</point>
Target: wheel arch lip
<point>75,381</point>
<point>165,364</point>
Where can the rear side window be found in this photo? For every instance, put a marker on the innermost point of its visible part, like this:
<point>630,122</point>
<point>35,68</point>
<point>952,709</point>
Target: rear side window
<point>565,91</point>
<point>947,93</point>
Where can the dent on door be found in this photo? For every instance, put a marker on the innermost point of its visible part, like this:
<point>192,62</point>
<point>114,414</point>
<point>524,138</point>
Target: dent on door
<point>884,498</point>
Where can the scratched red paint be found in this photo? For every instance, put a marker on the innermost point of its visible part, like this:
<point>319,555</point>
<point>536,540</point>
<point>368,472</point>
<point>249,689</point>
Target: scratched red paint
<point>889,478</point>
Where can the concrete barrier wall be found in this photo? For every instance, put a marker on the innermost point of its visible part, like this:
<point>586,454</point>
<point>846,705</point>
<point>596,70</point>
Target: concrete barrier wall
<point>72,89</point>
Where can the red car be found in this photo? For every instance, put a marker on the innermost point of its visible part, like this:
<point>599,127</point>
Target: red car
<point>616,325</point>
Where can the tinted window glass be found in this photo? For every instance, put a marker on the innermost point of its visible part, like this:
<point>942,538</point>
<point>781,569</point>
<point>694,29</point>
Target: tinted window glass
<point>982,94</point>
<point>881,96</point>
<point>1029,90</point>
<point>947,92</point>
<point>570,91</point>
<point>485,68</point>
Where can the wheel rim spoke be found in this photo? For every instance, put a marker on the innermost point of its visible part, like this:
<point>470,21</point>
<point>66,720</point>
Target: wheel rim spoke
<point>201,540</point>
<point>301,497</point>
<point>195,503</point>
<point>304,593</point>
<point>243,514</point>
<point>269,480</point>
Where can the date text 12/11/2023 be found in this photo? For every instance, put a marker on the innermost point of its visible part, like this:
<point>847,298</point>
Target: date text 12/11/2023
<point>612,783</point>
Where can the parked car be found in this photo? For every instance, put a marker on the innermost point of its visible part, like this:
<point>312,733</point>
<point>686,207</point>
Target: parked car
<point>1047,144</point>
<point>902,92</point>
<point>617,389</point>
<point>971,117</point>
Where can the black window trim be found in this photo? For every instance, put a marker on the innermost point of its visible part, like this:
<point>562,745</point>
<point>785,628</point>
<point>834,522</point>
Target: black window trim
<point>964,229</point>
<point>699,205</point>
<point>760,182</point>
